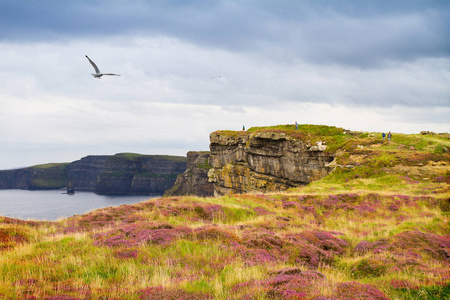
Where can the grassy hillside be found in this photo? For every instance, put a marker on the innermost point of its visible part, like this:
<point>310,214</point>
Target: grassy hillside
<point>376,228</point>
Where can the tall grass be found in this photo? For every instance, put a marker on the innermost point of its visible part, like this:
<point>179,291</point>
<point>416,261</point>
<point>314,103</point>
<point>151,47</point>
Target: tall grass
<point>233,253</point>
<point>364,231</point>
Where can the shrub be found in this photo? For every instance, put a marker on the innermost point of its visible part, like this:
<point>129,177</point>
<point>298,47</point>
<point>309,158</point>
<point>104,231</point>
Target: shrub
<point>438,247</point>
<point>368,268</point>
<point>444,205</point>
<point>161,293</point>
<point>356,290</point>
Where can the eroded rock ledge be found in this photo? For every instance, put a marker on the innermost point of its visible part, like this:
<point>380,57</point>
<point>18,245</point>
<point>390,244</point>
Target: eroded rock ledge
<point>194,181</point>
<point>245,162</point>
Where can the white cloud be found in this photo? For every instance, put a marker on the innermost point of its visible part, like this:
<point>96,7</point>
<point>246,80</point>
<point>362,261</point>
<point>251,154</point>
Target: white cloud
<point>309,69</point>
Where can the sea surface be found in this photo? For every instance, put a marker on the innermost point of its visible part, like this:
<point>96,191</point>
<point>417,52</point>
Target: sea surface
<point>53,205</point>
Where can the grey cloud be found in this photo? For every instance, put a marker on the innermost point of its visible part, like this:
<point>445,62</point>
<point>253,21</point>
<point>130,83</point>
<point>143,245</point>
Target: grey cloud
<point>341,32</point>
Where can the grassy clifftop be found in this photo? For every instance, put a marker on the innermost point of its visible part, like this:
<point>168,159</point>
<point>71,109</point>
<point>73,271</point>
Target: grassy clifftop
<point>376,228</point>
<point>365,161</point>
<point>338,138</point>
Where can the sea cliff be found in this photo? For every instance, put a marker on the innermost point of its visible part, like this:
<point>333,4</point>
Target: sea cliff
<point>194,181</point>
<point>265,161</point>
<point>124,173</point>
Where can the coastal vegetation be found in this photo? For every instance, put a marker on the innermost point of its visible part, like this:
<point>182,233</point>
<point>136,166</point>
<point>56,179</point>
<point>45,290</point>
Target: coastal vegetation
<point>375,228</point>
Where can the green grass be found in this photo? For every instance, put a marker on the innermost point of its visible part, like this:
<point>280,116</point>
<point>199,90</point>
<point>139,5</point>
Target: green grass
<point>232,247</point>
<point>50,165</point>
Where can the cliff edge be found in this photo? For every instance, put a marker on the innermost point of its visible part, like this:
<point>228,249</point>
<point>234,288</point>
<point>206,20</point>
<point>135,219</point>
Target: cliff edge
<point>123,173</point>
<point>265,161</point>
<point>276,158</point>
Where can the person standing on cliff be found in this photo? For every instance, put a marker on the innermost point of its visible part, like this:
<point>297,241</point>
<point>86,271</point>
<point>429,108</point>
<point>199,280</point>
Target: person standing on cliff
<point>243,127</point>
<point>384,136</point>
<point>389,136</point>
<point>296,125</point>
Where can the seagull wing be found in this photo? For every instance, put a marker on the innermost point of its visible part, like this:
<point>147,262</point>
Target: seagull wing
<point>111,74</point>
<point>94,65</point>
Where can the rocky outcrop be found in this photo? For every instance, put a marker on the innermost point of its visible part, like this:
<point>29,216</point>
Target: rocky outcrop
<point>194,181</point>
<point>124,173</point>
<point>245,162</point>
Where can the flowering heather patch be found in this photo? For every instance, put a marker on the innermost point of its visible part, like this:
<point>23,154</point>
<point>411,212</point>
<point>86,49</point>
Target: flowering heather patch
<point>161,293</point>
<point>307,199</point>
<point>307,255</point>
<point>6,220</point>
<point>404,198</point>
<point>10,237</point>
<point>403,284</point>
<point>290,204</point>
<point>365,246</point>
<point>209,212</point>
<point>310,248</point>
<point>438,247</point>
<point>214,233</point>
<point>365,209</point>
<point>417,157</point>
<point>61,297</point>
<point>107,217</point>
<point>133,235</point>
<point>442,178</point>
<point>324,240</point>
<point>340,201</point>
<point>368,268</point>
<point>247,290</point>
<point>261,211</point>
<point>294,284</point>
<point>126,253</point>
<point>252,257</point>
<point>409,180</point>
<point>93,220</point>
<point>444,205</point>
<point>356,290</point>
<point>235,258</point>
<point>373,198</point>
<point>265,241</point>
<point>393,208</point>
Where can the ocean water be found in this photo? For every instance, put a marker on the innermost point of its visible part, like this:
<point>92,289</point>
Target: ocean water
<point>54,204</point>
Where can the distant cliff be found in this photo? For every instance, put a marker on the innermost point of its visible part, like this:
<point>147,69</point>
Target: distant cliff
<point>194,181</point>
<point>41,177</point>
<point>265,161</point>
<point>125,173</point>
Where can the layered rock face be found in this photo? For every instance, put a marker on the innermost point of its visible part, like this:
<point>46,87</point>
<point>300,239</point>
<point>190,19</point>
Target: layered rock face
<point>140,175</point>
<point>33,178</point>
<point>243,162</point>
<point>103,174</point>
<point>83,173</point>
<point>194,181</point>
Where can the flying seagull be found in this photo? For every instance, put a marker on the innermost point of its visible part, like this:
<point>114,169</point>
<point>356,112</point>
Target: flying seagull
<point>98,74</point>
<point>214,77</point>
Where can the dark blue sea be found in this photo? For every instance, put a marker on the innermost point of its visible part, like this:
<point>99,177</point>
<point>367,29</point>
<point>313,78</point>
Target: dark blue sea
<point>53,205</point>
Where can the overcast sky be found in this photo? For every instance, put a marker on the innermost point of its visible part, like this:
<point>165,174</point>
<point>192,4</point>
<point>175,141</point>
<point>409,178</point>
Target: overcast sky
<point>192,67</point>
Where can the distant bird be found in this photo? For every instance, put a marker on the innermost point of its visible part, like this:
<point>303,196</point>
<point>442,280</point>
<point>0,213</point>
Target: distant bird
<point>98,74</point>
<point>214,77</point>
